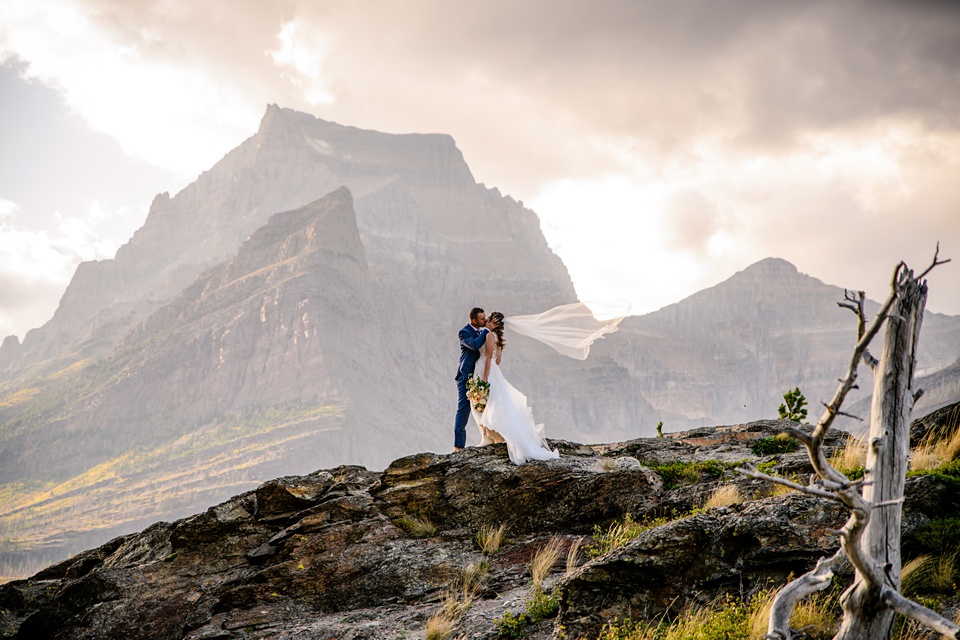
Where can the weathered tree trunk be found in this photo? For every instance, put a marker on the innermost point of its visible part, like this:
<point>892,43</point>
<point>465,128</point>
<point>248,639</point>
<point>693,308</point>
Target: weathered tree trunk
<point>865,615</point>
<point>870,539</point>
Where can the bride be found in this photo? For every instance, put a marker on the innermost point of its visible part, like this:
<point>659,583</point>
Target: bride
<point>570,329</point>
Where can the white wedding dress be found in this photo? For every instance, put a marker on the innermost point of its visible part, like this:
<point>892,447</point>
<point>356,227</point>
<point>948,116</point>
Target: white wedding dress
<point>507,413</point>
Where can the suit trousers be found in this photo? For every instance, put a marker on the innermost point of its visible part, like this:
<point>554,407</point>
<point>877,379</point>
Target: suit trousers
<point>463,415</point>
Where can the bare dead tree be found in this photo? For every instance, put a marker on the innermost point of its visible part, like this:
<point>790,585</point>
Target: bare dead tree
<point>870,539</point>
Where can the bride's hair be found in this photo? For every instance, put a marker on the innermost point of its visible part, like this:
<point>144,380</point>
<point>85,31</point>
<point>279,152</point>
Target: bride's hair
<point>496,315</point>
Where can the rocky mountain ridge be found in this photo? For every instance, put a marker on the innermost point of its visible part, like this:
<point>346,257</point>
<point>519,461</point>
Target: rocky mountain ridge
<point>727,353</point>
<point>334,553</point>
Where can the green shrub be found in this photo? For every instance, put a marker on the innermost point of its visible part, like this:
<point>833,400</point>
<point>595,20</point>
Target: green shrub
<point>781,443</point>
<point>767,467</point>
<point>677,473</point>
<point>856,473</point>
<point>541,606</point>
<point>949,469</point>
<point>713,468</point>
<point>934,537</point>
<point>619,534</point>
<point>511,625</point>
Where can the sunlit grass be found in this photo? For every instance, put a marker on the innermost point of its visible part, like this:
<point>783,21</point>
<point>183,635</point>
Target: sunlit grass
<point>573,555</point>
<point>18,397</point>
<point>728,618</point>
<point>221,458</point>
<point>544,560</point>
<point>816,614</point>
<point>723,496</point>
<point>69,370</point>
<point>439,626</point>
<point>489,538</point>
<point>928,574</point>
<point>850,458</point>
<point>457,600</point>
<point>619,533</point>
<point>939,447</point>
<point>782,489</point>
<point>420,526</point>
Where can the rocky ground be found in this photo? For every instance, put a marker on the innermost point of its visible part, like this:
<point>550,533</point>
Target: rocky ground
<point>339,554</point>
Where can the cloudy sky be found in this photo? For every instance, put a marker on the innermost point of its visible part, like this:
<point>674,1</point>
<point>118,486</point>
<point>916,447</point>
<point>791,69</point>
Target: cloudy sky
<point>664,145</point>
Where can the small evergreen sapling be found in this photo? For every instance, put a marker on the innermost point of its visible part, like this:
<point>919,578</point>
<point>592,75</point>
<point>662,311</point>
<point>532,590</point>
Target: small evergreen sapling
<point>794,407</point>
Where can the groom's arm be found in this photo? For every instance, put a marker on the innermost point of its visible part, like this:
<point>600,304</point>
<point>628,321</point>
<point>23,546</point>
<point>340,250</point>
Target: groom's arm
<point>473,342</point>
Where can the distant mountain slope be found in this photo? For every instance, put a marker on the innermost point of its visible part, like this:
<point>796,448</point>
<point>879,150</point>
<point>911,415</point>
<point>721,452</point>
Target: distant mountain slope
<point>727,353</point>
<point>940,389</point>
<point>263,365</point>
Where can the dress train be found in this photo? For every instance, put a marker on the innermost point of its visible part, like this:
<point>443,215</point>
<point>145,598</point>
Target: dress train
<point>508,416</point>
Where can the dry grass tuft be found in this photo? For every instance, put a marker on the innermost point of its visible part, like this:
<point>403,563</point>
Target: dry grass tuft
<point>723,496</point>
<point>457,600</point>
<point>454,605</point>
<point>915,573</point>
<point>938,448</point>
<point>782,489</point>
<point>419,526</point>
<point>573,555</point>
<point>760,614</point>
<point>852,455</point>
<point>544,560</point>
<point>928,574</point>
<point>490,538</point>
<point>472,579</point>
<point>816,615</point>
<point>439,626</point>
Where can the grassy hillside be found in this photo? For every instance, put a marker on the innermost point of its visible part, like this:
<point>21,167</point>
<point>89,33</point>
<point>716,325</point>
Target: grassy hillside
<point>45,520</point>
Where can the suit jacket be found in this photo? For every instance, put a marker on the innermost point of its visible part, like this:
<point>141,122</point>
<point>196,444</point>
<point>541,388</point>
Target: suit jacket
<point>470,342</point>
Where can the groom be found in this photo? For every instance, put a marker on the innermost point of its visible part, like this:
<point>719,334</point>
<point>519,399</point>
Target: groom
<point>471,339</point>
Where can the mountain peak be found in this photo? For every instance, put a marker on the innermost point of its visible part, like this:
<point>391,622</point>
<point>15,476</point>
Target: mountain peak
<point>774,267</point>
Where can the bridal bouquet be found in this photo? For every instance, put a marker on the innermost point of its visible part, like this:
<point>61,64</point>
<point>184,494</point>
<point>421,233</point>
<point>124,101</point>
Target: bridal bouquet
<point>477,392</point>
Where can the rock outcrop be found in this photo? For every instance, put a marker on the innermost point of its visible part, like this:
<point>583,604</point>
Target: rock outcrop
<point>333,554</point>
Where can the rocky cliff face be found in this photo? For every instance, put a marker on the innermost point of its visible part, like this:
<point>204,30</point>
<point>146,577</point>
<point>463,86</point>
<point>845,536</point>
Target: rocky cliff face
<point>289,319</point>
<point>335,553</point>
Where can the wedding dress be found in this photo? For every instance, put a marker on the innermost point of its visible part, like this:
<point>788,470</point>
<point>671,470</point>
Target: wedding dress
<point>508,414</point>
<point>570,329</point>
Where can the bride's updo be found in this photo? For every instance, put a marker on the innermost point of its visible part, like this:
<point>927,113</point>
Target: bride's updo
<point>498,317</point>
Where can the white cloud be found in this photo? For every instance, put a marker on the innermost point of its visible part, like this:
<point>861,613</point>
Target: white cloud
<point>844,208</point>
<point>38,264</point>
<point>300,54</point>
<point>174,115</point>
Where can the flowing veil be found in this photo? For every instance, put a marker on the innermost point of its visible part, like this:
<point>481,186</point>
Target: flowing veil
<point>571,328</point>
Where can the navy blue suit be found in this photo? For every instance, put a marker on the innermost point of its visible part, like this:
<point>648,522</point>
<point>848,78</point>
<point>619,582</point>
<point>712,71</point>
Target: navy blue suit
<point>471,340</point>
